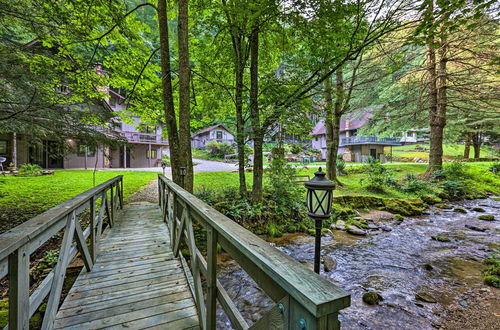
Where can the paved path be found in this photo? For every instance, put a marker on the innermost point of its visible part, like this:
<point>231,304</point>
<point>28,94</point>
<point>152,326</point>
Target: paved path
<point>202,165</point>
<point>136,282</point>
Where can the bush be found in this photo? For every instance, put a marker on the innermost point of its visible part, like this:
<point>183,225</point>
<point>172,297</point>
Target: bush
<point>166,160</point>
<point>296,148</point>
<point>219,149</point>
<point>377,176</point>
<point>413,184</point>
<point>282,185</point>
<point>492,273</point>
<point>30,170</point>
<point>454,188</point>
<point>495,168</point>
<point>340,166</point>
<point>455,170</point>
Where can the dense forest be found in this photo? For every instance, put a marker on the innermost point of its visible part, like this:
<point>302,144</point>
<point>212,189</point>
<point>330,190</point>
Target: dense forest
<point>253,65</point>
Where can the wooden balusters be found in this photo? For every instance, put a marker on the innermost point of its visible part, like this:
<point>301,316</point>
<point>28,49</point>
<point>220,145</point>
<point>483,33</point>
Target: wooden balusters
<point>19,284</point>
<point>211,277</point>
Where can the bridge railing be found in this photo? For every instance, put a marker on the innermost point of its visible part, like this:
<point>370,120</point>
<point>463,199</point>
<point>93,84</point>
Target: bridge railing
<point>304,300</point>
<point>101,202</point>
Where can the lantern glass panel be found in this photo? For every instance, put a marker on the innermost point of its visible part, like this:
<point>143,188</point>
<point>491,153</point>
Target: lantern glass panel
<point>319,201</point>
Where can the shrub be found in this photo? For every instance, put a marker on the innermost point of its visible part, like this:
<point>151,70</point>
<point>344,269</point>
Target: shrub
<point>413,184</point>
<point>219,149</point>
<point>273,230</point>
<point>340,166</point>
<point>282,185</point>
<point>165,159</point>
<point>30,169</point>
<point>455,170</point>
<point>377,176</point>
<point>454,188</point>
<point>495,168</point>
<point>296,148</point>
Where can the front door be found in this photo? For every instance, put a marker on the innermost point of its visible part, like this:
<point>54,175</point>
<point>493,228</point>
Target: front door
<point>124,157</point>
<point>373,153</point>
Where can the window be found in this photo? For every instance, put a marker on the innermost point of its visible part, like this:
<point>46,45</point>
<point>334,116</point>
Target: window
<point>81,149</point>
<point>219,135</point>
<point>3,147</point>
<point>154,154</point>
<point>316,138</point>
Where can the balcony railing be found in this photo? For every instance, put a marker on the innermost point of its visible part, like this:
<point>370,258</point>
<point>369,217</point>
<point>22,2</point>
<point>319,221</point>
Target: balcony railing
<point>138,137</point>
<point>354,140</point>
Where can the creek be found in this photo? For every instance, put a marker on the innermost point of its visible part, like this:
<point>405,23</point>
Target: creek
<point>397,264</point>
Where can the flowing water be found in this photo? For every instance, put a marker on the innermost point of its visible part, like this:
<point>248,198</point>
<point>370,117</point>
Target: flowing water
<point>396,264</point>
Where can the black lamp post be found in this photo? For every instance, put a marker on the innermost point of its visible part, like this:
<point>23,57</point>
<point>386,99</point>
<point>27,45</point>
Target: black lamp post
<point>183,174</point>
<point>319,205</point>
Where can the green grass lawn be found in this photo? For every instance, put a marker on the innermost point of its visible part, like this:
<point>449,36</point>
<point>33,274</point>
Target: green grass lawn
<point>203,154</point>
<point>24,197</point>
<point>480,176</point>
<point>449,150</point>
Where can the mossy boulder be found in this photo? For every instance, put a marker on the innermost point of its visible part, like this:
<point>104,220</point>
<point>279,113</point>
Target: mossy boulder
<point>492,280</point>
<point>425,297</point>
<point>354,230</point>
<point>486,217</point>
<point>441,239</point>
<point>443,206</point>
<point>398,217</point>
<point>497,199</point>
<point>329,264</point>
<point>372,298</point>
<point>410,206</point>
<point>431,199</point>
<point>459,210</point>
<point>478,209</point>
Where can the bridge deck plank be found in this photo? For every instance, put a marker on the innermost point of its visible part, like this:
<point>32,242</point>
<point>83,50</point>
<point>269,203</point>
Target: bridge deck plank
<point>136,281</point>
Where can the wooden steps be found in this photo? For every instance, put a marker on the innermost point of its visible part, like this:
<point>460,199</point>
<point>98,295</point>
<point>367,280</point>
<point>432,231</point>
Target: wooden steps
<point>136,282</point>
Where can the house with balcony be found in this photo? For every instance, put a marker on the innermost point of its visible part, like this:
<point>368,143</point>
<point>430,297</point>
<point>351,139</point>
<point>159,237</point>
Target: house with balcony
<point>217,133</point>
<point>136,145</point>
<point>354,148</point>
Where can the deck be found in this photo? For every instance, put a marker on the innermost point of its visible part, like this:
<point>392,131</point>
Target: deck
<point>136,281</point>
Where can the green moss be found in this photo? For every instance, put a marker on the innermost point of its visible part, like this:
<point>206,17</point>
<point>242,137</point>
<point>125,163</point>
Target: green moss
<point>486,217</point>
<point>441,239</point>
<point>311,231</point>
<point>398,217</point>
<point>410,206</point>
<point>459,210</point>
<point>478,209</point>
<point>273,230</point>
<point>431,199</point>
<point>443,206</point>
<point>372,298</point>
<point>4,312</point>
<point>491,280</point>
<point>497,199</point>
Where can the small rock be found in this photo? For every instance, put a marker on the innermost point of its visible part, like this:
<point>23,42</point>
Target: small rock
<point>428,267</point>
<point>441,238</point>
<point>425,297</point>
<point>443,206</point>
<point>386,228</point>
<point>476,228</point>
<point>351,229</point>
<point>340,225</point>
<point>486,217</point>
<point>459,210</point>
<point>478,209</point>
<point>329,264</point>
<point>372,298</point>
<point>463,303</point>
<point>372,226</point>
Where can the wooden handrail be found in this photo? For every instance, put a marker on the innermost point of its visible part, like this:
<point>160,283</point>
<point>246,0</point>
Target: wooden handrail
<point>302,296</point>
<point>19,242</point>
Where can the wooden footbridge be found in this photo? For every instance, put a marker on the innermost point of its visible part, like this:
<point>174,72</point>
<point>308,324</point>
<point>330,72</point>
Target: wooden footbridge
<point>134,273</point>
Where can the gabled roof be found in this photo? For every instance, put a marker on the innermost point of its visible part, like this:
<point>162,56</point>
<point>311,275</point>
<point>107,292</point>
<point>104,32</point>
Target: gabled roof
<point>348,122</point>
<point>211,128</point>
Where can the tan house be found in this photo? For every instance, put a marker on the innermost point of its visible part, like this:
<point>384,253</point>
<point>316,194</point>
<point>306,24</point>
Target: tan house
<point>138,146</point>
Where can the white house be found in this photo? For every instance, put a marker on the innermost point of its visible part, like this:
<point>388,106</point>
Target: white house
<point>218,133</point>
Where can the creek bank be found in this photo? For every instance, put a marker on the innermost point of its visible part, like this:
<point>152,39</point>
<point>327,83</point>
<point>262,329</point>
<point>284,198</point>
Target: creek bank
<point>398,264</point>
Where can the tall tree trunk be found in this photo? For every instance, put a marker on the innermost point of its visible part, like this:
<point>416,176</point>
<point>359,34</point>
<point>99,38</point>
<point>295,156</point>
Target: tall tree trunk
<point>168,98</point>
<point>14,149</point>
<point>240,122</point>
<point>436,121</point>
<point>184,106</point>
<point>332,125</point>
<point>467,146</point>
<point>476,143</point>
<point>257,134</point>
